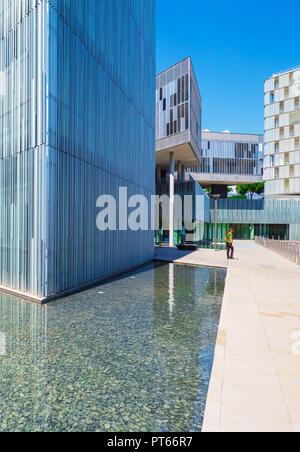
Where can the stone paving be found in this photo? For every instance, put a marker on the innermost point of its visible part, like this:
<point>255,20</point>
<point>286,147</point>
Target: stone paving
<point>255,382</point>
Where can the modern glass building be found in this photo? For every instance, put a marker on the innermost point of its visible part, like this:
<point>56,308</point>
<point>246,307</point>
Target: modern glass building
<point>77,120</point>
<point>282,135</point>
<point>229,159</point>
<point>178,127</point>
<point>178,116</point>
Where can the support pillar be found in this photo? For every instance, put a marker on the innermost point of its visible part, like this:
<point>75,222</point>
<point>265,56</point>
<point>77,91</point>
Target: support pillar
<point>179,172</point>
<point>182,174</point>
<point>171,208</point>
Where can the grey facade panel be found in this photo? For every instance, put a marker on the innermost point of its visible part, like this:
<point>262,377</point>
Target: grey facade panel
<point>77,121</point>
<point>257,211</point>
<point>178,108</point>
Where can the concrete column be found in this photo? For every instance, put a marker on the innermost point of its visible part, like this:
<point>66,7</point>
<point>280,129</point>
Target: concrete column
<point>179,172</point>
<point>182,174</point>
<point>172,191</point>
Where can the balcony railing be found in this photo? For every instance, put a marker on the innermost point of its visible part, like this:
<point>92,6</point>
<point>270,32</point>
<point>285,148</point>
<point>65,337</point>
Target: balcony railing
<point>287,249</point>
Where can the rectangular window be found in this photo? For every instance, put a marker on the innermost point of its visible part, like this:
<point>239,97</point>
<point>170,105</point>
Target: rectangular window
<point>179,90</point>
<point>186,116</point>
<point>164,104</point>
<point>295,117</point>
<point>175,100</point>
<point>286,93</point>
<point>178,125</point>
<point>186,88</point>
<point>160,94</point>
<point>175,126</point>
<point>182,111</point>
<point>272,98</point>
<point>168,130</point>
<point>178,119</point>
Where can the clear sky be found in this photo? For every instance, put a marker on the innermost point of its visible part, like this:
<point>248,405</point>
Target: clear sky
<point>234,45</point>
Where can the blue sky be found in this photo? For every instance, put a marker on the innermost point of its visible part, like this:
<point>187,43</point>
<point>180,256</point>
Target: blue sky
<point>234,46</point>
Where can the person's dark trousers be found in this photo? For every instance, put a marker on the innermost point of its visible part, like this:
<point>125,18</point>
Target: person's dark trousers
<point>230,250</point>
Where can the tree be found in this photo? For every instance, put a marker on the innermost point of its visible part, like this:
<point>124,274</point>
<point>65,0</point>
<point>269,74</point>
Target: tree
<point>258,189</point>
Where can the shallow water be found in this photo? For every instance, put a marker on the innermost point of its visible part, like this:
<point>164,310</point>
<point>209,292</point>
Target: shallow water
<point>133,354</point>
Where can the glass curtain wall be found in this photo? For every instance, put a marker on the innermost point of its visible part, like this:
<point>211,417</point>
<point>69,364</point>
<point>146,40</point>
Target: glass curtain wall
<point>225,157</point>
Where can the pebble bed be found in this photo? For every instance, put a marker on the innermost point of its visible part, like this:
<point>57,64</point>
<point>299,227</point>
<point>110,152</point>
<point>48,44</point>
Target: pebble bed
<point>131,355</point>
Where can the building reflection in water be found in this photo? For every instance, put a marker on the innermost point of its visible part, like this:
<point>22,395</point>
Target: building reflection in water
<point>185,345</point>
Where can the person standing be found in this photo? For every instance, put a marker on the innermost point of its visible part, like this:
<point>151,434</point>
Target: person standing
<point>229,243</point>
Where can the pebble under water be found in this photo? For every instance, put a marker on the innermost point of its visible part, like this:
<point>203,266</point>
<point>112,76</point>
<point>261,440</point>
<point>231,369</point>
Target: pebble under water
<point>131,355</point>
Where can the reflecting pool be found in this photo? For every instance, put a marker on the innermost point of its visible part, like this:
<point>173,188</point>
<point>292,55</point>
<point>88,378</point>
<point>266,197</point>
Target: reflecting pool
<point>133,354</point>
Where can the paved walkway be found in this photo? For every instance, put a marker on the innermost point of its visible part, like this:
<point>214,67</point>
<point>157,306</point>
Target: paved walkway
<point>255,382</point>
<point>204,258</point>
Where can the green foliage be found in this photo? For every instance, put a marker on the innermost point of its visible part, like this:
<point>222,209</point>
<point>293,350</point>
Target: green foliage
<point>258,188</point>
<point>238,197</point>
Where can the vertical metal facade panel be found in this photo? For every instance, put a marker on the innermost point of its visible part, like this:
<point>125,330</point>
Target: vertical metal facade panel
<point>77,109</point>
<point>257,211</point>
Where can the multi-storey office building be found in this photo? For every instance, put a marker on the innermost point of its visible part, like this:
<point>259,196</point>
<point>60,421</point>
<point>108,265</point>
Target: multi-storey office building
<point>282,135</point>
<point>229,159</point>
<point>178,126</point>
<point>77,120</point>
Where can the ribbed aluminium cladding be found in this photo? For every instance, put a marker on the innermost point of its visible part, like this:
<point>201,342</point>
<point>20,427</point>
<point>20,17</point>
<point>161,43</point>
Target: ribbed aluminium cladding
<point>77,103</point>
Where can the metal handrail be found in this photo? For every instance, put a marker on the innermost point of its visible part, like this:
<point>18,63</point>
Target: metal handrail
<point>289,250</point>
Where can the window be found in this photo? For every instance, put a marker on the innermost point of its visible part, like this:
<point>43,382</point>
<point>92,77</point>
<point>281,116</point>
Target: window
<point>276,83</point>
<point>160,94</point>
<point>281,107</point>
<point>276,147</point>
<point>178,119</point>
<point>292,131</point>
<point>276,122</point>
<point>186,88</point>
<point>186,116</point>
<point>295,117</point>
<point>168,129</point>
<point>286,158</point>
<point>292,171</point>
<point>272,97</point>
<point>164,104</point>
<point>297,103</point>
<point>179,91</point>
<point>171,101</point>
<point>287,185</point>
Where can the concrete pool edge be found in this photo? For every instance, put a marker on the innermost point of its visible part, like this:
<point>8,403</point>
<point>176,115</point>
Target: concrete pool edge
<point>81,288</point>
